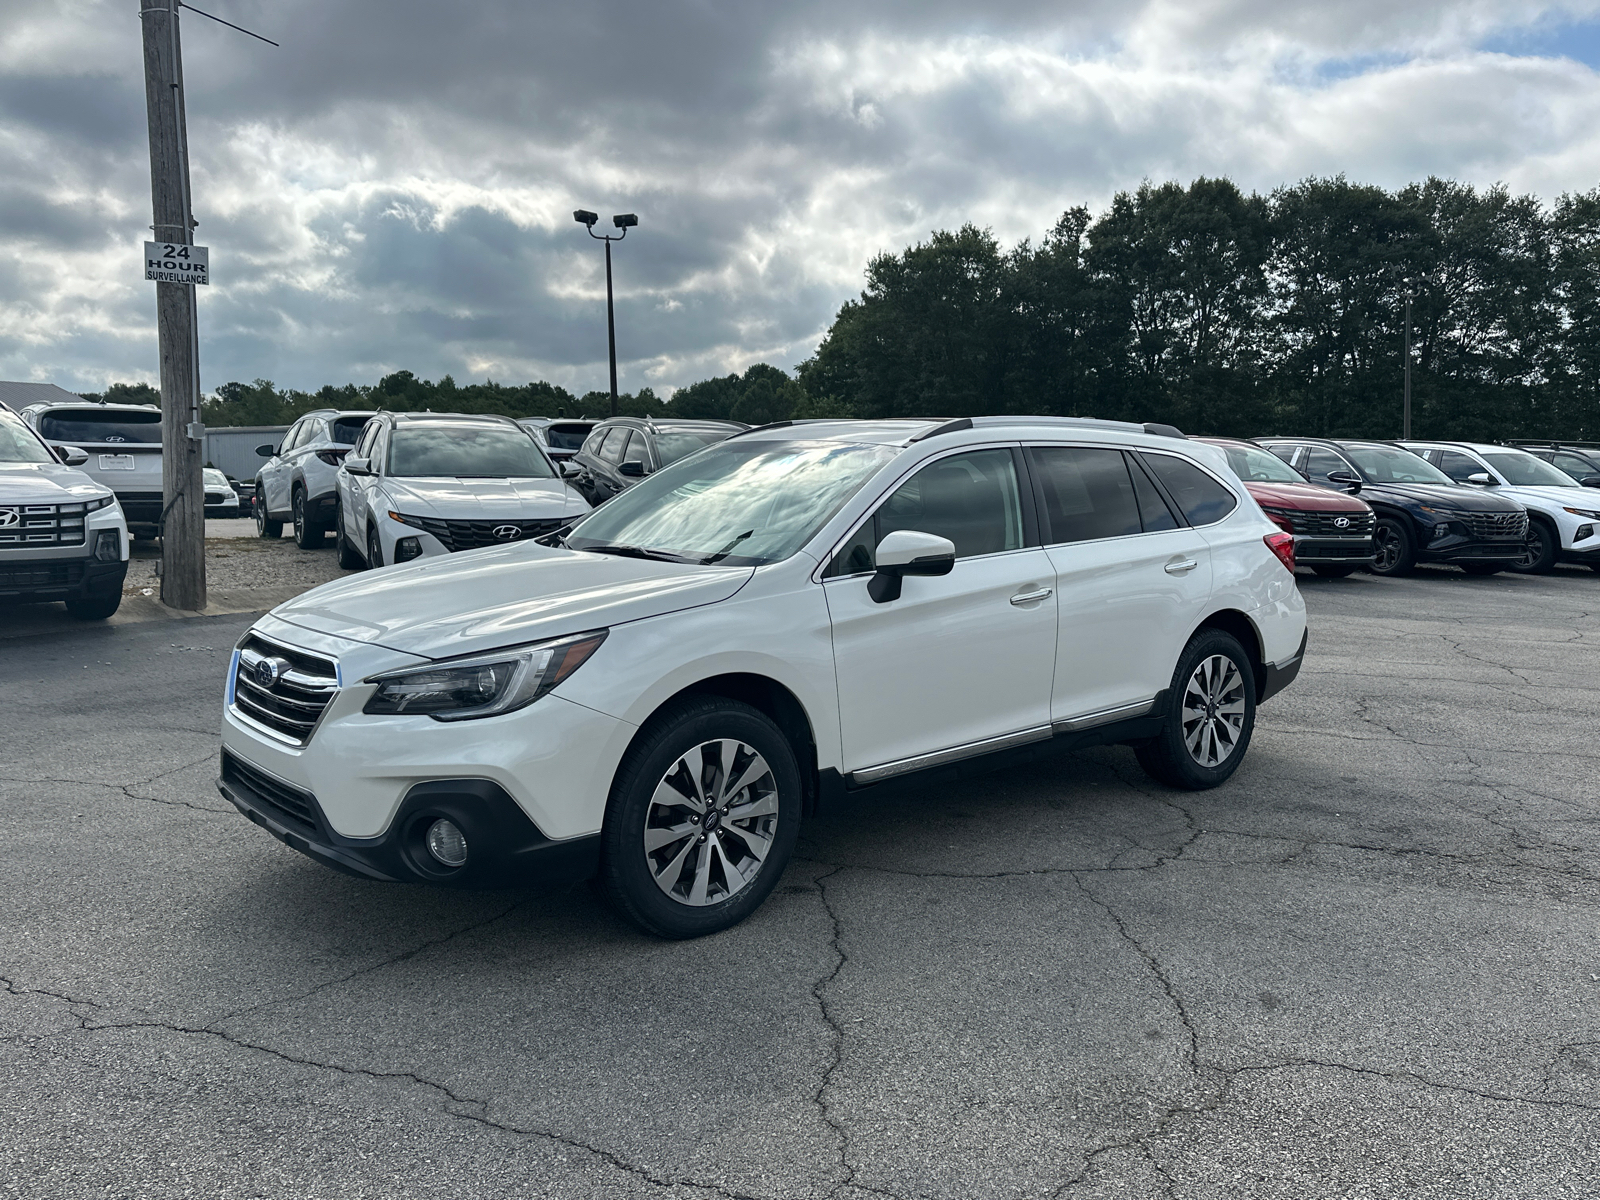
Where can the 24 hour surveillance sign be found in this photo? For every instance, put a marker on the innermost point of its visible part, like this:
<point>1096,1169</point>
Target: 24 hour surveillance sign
<point>166,262</point>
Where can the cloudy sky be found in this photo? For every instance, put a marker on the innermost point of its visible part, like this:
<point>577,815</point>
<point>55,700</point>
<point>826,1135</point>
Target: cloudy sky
<point>394,186</point>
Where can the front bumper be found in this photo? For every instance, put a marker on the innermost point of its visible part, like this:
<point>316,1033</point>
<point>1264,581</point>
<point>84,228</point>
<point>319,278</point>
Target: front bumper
<point>504,848</point>
<point>40,579</point>
<point>1312,551</point>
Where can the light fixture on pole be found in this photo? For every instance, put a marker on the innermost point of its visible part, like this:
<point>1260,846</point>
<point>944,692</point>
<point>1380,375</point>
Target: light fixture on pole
<point>624,222</point>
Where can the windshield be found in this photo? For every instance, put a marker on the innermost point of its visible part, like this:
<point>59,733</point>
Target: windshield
<point>78,427</point>
<point>1383,464</point>
<point>1254,465</point>
<point>17,443</point>
<point>1520,469</point>
<point>673,444</point>
<point>744,504</point>
<point>215,478</point>
<point>466,451</point>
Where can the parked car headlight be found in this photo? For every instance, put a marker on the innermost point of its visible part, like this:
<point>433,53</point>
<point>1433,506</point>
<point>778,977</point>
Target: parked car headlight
<point>484,685</point>
<point>1584,512</point>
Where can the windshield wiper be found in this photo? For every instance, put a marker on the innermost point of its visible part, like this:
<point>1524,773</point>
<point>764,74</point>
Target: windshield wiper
<point>634,552</point>
<point>726,550</point>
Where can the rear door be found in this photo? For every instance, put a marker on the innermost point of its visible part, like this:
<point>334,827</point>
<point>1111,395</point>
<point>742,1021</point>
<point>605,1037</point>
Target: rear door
<point>1131,576</point>
<point>958,659</point>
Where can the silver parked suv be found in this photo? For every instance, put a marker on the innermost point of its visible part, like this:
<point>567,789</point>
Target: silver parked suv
<point>299,482</point>
<point>123,443</point>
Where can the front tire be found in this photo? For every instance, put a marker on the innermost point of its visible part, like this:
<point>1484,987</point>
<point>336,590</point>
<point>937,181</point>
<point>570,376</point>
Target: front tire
<point>1395,552</point>
<point>374,548</point>
<point>307,535</point>
<point>265,526</point>
<point>1540,550</point>
<point>349,559</point>
<point>702,820</point>
<point>1211,715</point>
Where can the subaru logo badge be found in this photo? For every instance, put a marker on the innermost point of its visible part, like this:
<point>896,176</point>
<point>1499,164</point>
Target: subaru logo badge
<point>269,671</point>
<point>507,532</point>
<point>1341,522</point>
<point>9,517</point>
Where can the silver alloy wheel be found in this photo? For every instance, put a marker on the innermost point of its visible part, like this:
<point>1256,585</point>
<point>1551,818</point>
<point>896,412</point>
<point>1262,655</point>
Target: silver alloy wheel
<point>1388,548</point>
<point>1533,548</point>
<point>299,505</point>
<point>711,822</point>
<point>1213,710</point>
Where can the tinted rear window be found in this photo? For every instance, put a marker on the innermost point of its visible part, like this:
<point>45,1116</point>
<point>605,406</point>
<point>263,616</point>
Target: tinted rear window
<point>73,426</point>
<point>565,437</point>
<point>1202,499</point>
<point>347,429</point>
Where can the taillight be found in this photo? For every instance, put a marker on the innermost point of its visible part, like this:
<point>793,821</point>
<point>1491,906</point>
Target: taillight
<point>1282,544</point>
<point>332,457</point>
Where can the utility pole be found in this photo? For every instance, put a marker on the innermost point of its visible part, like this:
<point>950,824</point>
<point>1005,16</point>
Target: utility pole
<point>183,526</point>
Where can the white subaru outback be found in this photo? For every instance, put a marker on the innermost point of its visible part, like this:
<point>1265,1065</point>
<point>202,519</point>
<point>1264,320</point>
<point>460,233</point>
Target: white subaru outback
<point>800,612</point>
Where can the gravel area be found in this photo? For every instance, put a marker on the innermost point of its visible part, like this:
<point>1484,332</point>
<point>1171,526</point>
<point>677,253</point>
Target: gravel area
<point>237,558</point>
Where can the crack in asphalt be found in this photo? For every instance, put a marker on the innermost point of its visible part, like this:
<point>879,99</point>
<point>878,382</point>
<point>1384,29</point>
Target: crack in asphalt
<point>124,788</point>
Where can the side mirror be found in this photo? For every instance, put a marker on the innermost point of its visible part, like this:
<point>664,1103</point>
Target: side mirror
<point>357,466</point>
<point>267,451</point>
<point>1590,481</point>
<point>1348,480</point>
<point>571,470</point>
<point>72,456</point>
<point>1482,479</point>
<point>633,470</point>
<point>909,552</point>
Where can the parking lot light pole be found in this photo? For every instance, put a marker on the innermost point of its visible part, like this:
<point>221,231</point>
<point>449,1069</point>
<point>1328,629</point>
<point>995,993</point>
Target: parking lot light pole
<point>624,222</point>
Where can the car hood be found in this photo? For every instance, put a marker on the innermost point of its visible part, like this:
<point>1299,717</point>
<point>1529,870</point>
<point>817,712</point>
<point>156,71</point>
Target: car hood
<point>1304,496</point>
<point>1577,495</point>
<point>485,499</point>
<point>46,483</point>
<point>502,596</point>
<point>1438,495</point>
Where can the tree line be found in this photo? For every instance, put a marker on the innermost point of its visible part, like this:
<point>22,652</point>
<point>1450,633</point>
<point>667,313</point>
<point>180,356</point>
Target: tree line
<point>1198,306</point>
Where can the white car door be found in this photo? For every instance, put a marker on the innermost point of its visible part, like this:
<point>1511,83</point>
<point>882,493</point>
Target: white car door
<point>1132,581</point>
<point>956,659</point>
<point>275,474</point>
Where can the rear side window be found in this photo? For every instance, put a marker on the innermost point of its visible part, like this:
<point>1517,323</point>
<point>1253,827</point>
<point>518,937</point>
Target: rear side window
<point>637,451</point>
<point>1155,513</point>
<point>973,499</point>
<point>1202,499</point>
<point>73,426</point>
<point>1575,466</point>
<point>1088,493</point>
<point>611,448</point>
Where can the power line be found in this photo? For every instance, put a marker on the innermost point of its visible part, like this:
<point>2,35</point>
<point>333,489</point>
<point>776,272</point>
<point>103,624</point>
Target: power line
<point>229,24</point>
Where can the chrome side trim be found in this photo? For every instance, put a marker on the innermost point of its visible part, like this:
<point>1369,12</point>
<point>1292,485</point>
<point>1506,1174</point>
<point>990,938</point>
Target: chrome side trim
<point>939,758</point>
<point>1104,717</point>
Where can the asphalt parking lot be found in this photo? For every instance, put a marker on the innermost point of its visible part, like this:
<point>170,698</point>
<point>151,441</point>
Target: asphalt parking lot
<point>1367,967</point>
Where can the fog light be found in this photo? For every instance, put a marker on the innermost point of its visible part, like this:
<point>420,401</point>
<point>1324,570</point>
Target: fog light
<point>108,546</point>
<point>1440,530</point>
<point>406,549</point>
<point>1584,531</point>
<point>447,843</point>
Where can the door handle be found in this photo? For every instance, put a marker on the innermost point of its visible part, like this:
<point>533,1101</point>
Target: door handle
<point>1032,597</point>
<point>1180,565</point>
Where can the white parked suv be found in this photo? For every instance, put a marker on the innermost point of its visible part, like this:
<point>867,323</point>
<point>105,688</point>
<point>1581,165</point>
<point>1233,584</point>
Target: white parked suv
<point>62,536</point>
<point>768,625</point>
<point>1563,515</point>
<point>424,484</point>
<point>299,482</point>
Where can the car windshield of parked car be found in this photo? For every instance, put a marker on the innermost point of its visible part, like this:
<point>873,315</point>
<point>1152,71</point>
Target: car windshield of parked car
<point>76,427</point>
<point>215,478</point>
<point>673,444</point>
<point>466,452</point>
<point>1524,470</point>
<point>744,504</point>
<point>17,443</point>
<point>1254,465</point>
<point>1381,464</point>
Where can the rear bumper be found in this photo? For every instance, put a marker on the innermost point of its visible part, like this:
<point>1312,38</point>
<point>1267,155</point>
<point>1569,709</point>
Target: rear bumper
<point>1277,677</point>
<point>59,578</point>
<point>504,848</point>
<point>140,508</point>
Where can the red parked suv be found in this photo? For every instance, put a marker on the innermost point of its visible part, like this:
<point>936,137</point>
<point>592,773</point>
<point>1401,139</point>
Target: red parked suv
<point>1332,530</point>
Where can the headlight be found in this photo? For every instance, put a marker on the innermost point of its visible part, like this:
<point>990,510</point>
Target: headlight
<point>484,685</point>
<point>414,522</point>
<point>1583,512</point>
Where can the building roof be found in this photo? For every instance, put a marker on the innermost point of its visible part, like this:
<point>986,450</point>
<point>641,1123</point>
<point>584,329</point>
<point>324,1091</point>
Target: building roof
<point>20,395</point>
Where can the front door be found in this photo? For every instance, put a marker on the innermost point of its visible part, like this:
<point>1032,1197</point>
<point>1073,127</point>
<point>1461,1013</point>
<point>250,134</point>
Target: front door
<point>958,658</point>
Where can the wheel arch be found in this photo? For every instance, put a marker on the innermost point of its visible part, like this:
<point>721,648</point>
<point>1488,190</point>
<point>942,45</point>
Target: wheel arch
<point>1243,629</point>
<point>768,696</point>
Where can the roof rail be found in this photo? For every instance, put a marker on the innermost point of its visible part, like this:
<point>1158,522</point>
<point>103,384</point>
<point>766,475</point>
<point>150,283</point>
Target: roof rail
<point>955,426</point>
<point>1156,429</point>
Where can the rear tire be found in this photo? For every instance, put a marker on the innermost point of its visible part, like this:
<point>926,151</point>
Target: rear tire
<point>1211,715</point>
<point>1338,571</point>
<point>1540,550</point>
<point>677,857</point>
<point>307,535</point>
<point>265,526</point>
<point>349,560</point>
<point>95,608</point>
<point>1396,553</point>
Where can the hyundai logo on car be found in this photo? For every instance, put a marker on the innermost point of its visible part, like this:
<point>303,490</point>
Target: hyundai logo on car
<point>9,517</point>
<point>1341,522</point>
<point>507,532</point>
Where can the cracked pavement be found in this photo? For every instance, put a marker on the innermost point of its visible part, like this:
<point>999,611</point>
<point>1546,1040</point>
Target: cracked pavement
<point>1367,967</point>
